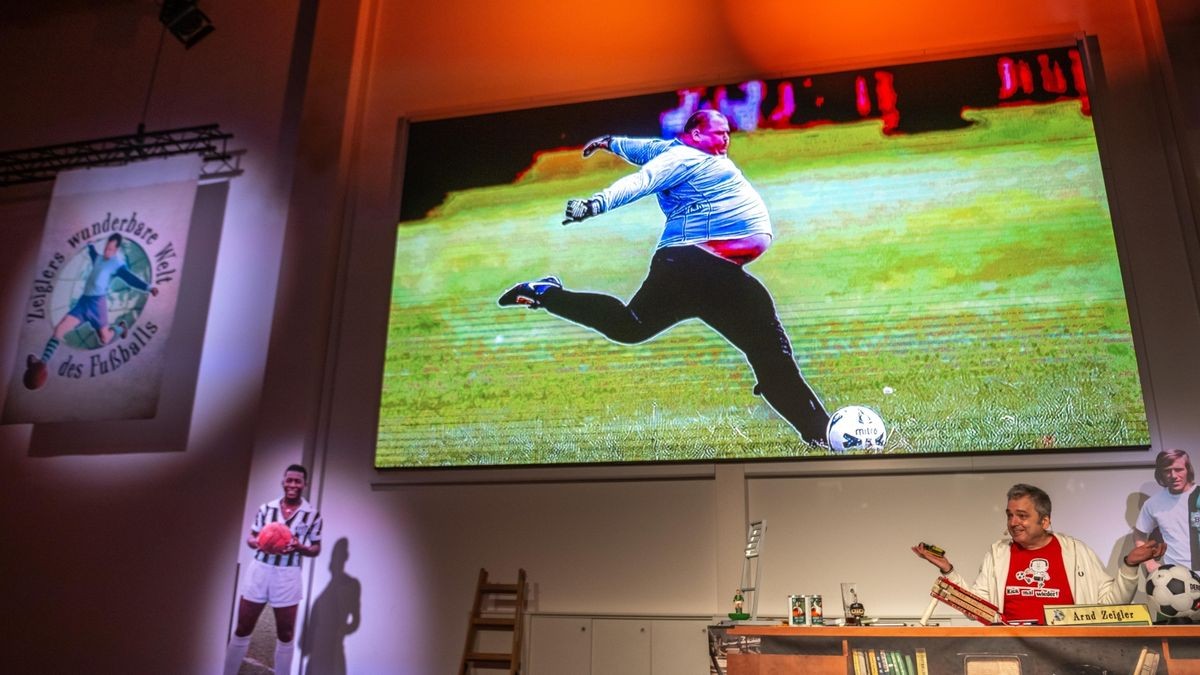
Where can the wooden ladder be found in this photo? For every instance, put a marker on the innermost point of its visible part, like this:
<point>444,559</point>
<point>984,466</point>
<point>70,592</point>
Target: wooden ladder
<point>485,617</point>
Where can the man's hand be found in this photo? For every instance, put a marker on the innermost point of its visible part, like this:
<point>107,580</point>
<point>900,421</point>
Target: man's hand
<point>944,566</point>
<point>595,144</point>
<point>311,550</point>
<point>580,209</point>
<point>1147,550</point>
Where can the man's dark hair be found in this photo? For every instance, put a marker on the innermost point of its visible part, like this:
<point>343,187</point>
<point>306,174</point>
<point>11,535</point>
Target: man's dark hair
<point>1041,500</point>
<point>115,237</point>
<point>1164,461</point>
<point>697,118</point>
<point>299,468</point>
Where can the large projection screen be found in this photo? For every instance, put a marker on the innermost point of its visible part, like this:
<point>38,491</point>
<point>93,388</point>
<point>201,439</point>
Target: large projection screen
<point>943,253</point>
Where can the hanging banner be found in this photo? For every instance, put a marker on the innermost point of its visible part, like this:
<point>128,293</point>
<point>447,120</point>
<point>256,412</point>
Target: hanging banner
<point>98,315</point>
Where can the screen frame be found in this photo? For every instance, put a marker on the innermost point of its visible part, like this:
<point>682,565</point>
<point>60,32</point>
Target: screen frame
<point>710,469</point>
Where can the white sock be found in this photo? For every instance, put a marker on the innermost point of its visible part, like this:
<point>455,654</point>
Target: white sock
<point>283,657</point>
<point>235,653</point>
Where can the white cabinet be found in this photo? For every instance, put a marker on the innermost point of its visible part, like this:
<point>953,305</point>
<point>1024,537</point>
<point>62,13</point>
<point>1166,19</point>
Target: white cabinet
<point>621,647</point>
<point>559,645</point>
<point>679,646</point>
<point>608,645</point>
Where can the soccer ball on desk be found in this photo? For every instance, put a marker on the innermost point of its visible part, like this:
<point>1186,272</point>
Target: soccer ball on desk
<point>1173,592</point>
<point>856,427</point>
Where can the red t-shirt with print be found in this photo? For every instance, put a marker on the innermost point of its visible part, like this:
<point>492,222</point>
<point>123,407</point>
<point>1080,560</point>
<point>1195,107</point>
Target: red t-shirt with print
<point>1035,579</point>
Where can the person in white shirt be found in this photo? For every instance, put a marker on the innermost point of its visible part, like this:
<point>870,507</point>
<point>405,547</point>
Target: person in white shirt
<point>274,577</point>
<point>1174,511</point>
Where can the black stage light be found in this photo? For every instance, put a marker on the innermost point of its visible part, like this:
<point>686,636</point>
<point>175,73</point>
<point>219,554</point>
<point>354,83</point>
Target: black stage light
<point>185,21</point>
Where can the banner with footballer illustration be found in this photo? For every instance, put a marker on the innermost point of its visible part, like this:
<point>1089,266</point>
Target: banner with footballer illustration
<point>102,297</point>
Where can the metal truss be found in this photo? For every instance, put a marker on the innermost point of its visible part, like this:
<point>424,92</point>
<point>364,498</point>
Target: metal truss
<point>41,164</point>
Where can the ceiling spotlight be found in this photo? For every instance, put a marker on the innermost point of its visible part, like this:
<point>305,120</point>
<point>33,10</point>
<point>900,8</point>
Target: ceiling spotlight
<point>185,21</point>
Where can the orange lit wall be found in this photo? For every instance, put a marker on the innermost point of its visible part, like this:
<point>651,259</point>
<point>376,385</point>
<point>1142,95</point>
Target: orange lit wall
<point>668,546</point>
<point>121,553</point>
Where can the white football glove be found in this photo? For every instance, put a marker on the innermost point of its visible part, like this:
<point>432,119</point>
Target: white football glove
<point>581,209</point>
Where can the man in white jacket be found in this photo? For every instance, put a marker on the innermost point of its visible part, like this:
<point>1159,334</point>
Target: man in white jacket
<point>1034,567</point>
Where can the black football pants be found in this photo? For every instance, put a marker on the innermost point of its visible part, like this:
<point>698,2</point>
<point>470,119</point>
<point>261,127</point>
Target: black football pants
<point>687,282</point>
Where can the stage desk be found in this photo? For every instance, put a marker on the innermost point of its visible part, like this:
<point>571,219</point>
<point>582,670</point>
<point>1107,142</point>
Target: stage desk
<point>954,650</point>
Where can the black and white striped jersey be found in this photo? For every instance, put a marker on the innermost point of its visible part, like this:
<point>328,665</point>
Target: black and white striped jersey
<point>305,525</point>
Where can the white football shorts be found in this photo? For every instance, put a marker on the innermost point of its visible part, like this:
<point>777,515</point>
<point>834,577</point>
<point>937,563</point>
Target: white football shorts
<point>277,586</point>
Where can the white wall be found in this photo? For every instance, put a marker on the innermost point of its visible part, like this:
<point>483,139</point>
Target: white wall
<point>449,59</point>
<point>826,530</point>
<point>121,539</point>
<point>292,344</point>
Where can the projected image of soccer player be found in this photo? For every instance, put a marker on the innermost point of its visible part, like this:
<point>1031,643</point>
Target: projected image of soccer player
<point>716,224</point>
<point>92,306</point>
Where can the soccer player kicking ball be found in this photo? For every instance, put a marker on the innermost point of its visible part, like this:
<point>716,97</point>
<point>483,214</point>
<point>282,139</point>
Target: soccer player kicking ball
<point>92,307</point>
<point>274,575</point>
<point>716,224</point>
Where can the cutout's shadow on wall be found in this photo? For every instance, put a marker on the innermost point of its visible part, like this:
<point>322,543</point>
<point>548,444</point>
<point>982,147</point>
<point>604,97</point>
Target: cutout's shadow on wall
<point>1133,506</point>
<point>334,615</point>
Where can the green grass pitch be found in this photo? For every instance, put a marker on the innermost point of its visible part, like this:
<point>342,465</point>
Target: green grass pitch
<point>971,275</point>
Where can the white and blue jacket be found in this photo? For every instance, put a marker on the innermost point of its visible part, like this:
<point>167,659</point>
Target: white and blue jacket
<point>704,197</point>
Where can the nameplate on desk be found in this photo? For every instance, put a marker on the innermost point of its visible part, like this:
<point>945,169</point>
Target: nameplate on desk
<point>1097,615</point>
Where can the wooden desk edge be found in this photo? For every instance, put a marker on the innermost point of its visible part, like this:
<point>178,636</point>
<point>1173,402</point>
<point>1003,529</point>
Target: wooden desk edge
<point>868,632</point>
